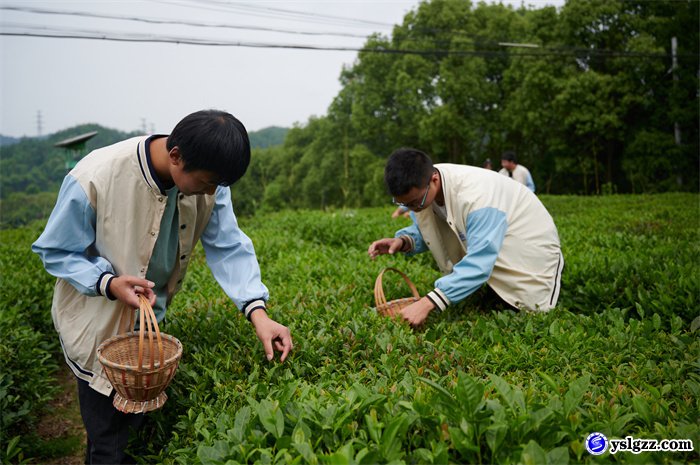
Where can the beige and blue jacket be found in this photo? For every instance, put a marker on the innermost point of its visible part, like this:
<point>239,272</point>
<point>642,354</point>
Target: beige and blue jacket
<point>105,223</point>
<point>496,231</point>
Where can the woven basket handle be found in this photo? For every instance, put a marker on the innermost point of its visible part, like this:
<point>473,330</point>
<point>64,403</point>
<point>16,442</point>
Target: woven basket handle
<point>148,319</point>
<point>379,297</point>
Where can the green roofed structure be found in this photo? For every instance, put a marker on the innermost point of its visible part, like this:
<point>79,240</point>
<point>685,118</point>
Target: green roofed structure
<point>74,147</point>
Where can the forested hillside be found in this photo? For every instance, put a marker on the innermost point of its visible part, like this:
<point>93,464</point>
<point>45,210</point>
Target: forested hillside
<point>34,165</point>
<point>31,169</point>
<point>268,137</point>
<point>5,140</point>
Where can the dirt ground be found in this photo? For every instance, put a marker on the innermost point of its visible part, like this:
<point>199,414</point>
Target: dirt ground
<point>63,421</point>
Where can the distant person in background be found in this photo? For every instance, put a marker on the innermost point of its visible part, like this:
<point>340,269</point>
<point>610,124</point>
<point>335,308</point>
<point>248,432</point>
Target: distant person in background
<point>401,211</point>
<point>479,227</point>
<point>512,169</point>
<point>126,223</point>
<point>487,165</point>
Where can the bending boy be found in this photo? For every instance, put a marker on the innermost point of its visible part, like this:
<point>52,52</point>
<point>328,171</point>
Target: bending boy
<point>480,227</point>
<point>126,222</point>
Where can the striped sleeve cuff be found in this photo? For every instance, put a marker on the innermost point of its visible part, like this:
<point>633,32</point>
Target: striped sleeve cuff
<point>439,299</point>
<point>252,306</point>
<point>102,286</point>
<point>407,240</point>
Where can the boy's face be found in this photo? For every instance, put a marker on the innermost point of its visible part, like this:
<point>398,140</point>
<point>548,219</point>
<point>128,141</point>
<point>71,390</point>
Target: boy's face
<point>418,199</point>
<point>197,182</point>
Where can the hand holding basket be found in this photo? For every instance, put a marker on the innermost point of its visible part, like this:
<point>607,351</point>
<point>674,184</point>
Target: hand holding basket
<point>140,365</point>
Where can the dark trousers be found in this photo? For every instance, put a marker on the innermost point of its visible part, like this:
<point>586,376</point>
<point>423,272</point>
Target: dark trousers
<point>107,428</point>
<point>490,300</point>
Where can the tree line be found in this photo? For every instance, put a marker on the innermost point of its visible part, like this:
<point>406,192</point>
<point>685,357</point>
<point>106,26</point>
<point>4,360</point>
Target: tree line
<point>594,97</point>
<point>589,96</point>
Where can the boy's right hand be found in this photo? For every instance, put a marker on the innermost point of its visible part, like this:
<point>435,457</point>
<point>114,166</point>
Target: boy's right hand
<point>127,289</point>
<point>385,246</point>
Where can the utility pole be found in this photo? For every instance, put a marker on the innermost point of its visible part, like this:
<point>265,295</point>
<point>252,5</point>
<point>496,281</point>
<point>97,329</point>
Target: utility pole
<point>674,66</point>
<point>676,126</point>
<point>38,122</point>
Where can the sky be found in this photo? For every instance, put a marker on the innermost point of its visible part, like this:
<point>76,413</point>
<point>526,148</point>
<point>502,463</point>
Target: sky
<point>48,84</point>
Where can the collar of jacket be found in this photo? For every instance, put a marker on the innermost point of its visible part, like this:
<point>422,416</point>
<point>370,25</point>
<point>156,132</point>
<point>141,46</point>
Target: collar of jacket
<point>146,167</point>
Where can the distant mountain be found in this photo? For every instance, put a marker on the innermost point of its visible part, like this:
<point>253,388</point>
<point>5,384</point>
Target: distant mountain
<point>267,137</point>
<point>34,164</point>
<point>6,140</point>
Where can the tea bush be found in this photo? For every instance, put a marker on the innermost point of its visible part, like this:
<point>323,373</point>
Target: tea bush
<point>29,350</point>
<point>475,385</point>
<point>620,355</point>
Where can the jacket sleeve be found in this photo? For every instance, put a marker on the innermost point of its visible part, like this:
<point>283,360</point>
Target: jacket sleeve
<point>415,238</point>
<point>231,256</point>
<point>69,233</point>
<point>486,229</point>
<point>529,182</point>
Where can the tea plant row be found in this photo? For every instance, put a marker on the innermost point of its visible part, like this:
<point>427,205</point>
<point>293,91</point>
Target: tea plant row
<point>620,355</point>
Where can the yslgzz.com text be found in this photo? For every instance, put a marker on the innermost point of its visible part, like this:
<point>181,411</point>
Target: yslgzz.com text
<point>636,446</point>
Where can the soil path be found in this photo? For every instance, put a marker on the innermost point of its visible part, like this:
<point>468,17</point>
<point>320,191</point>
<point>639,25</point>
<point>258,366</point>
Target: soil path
<point>63,423</point>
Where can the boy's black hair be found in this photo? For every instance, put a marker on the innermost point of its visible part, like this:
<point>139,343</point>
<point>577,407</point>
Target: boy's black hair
<point>213,141</point>
<point>509,156</point>
<point>405,169</point>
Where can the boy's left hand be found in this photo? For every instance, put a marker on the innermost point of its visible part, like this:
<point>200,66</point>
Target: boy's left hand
<point>416,313</point>
<point>273,335</point>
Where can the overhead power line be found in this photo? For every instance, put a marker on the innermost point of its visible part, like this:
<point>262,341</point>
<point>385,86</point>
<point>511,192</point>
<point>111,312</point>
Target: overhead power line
<point>442,46</point>
<point>77,34</point>
<point>124,37</point>
<point>177,22</point>
<point>279,13</point>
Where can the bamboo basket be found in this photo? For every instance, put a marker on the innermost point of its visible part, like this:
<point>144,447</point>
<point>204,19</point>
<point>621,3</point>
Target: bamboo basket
<point>140,365</point>
<point>393,307</point>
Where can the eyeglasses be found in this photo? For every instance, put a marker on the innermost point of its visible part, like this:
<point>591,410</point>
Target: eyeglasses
<point>412,205</point>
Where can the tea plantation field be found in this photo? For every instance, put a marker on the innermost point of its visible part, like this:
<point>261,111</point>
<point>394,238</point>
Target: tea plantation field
<point>619,356</point>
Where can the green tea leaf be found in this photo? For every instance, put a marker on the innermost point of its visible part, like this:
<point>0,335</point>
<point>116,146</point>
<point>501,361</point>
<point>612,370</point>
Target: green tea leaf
<point>213,455</point>
<point>575,394</point>
<point>441,390</point>
<point>495,434</point>
<point>271,417</point>
<point>241,423</point>
<point>642,408</point>
<point>548,379</point>
<point>343,456</point>
<point>469,393</point>
<point>513,396</point>
<point>619,424</point>
<point>695,324</point>
<point>533,454</point>
<point>558,456</point>
<point>374,427</point>
<point>390,444</point>
<point>306,451</point>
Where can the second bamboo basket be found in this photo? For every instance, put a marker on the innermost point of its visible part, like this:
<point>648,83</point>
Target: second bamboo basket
<point>393,307</point>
